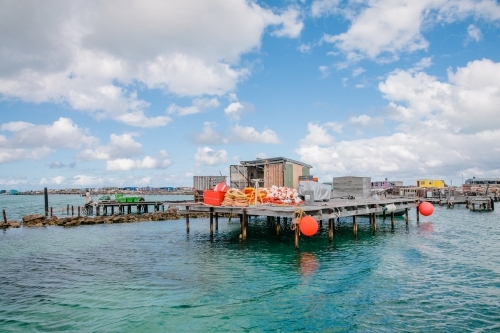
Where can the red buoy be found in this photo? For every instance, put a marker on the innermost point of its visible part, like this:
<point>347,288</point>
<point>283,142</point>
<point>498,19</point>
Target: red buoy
<point>308,225</point>
<point>426,208</point>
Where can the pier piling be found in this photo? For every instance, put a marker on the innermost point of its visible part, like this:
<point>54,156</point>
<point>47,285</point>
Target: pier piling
<point>4,216</point>
<point>46,199</point>
<point>187,219</point>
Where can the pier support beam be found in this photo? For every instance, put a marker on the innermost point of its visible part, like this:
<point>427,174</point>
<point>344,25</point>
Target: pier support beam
<point>244,219</point>
<point>354,225</point>
<point>187,219</point>
<point>374,217</point>
<point>331,227</point>
<point>406,216</point>
<point>211,222</point>
<point>417,212</point>
<point>216,221</point>
<point>392,218</point>
<point>46,197</point>
<point>278,226</point>
<point>4,216</point>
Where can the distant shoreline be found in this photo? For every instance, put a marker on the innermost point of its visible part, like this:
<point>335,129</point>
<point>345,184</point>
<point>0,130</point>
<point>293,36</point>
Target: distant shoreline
<point>97,193</point>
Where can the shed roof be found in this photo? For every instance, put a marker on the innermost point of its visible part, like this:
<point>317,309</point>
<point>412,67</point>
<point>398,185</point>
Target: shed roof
<point>273,160</point>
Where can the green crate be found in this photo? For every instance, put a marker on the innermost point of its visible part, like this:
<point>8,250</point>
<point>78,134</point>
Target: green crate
<point>121,200</point>
<point>136,199</point>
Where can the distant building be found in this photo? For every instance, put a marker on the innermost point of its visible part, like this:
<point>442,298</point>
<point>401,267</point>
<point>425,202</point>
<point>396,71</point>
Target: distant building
<point>385,184</point>
<point>430,183</point>
<point>482,181</point>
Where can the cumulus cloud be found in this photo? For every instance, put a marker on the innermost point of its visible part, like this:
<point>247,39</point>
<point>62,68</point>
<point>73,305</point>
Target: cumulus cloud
<point>324,7</point>
<point>251,135</point>
<point>53,181</point>
<point>209,135</point>
<point>467,102</point>
<point>209,156</point>
<point>383,29</point>
<point>30,141</point>
<point>474,33</point>
<point>199,105</point>
<point>91,55</point>
<point>119,146</point>
<point>125,164</point>
<point>441,124</point>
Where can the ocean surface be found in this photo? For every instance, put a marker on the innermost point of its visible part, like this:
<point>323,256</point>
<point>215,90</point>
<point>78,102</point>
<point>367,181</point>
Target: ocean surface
<point>441,275</point>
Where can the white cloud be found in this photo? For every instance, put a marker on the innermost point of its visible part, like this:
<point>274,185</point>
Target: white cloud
<point>251,135</point>
<point>119,146</point>
<point>30,141</point>
<point>324,70</point>
<point>318,135</point>
<point>474,33</point>
<point>91,55</point>
<point>423,63</point>
<point>357,71</point>
<point>323,7</point>
<point>209,156</point>
<point>209,135</point>
<point>199,105</point>
<point>233,109</point>
<point>468,102</point>
<point>304,48</point>
<point>52,181</point>
<point>385,28</point>
<point>126,164</point>
<point>84,181</point>
<point>441,126</point>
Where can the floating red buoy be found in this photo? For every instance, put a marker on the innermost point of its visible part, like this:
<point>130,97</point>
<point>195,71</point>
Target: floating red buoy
<point>308,225</point>
<point>426,208</point>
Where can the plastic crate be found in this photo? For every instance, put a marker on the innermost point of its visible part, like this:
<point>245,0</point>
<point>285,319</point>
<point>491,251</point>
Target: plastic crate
<point>121,199</point>
<point>213,198</point>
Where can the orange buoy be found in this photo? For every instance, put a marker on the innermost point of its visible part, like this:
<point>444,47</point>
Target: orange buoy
<point>426,208</point>
<point>308,225</point>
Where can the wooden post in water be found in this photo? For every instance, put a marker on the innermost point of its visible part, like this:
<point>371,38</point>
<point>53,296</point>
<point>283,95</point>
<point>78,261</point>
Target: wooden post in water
<point>297,234</point>
<point>67,209</point>
<point>187,219</point>
<point>354,225</point>
<point>392,219</point>
<point>97,210</point>
<point>216,221</point>
<point>417,212</point>
<point>244,224</point>
<point>384,215</point>
<point>406,216</point>
<point>278,226</point>
<point>72,211</point>
<point>4,216</point>
<point>78,211</point>
<point>211,222</point>
<point>51,212</point>
<point>112,210</point>
<point>46,197</point>
<point>330,228</point>
<point>374,221</point>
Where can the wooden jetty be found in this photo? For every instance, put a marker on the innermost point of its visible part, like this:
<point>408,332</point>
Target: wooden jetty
<point>331,210</point>
<point>109,207</point>
<point>481,204</point>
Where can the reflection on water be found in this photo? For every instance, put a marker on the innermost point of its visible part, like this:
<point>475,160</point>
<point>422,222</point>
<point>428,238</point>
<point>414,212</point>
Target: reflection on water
<point>308,264</point>
<point>151,277</point>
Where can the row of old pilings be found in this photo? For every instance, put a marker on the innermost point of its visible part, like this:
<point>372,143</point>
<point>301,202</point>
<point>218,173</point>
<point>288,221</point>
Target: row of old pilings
<point>39,220</point>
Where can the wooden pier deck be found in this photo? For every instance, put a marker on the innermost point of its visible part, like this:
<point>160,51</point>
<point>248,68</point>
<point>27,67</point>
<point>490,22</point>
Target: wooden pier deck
<point>331,210</point>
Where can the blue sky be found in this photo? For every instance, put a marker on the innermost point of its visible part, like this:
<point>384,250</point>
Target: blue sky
<point>151,93</point>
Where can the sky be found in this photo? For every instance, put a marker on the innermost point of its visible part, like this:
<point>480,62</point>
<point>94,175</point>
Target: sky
<point>98,93</point>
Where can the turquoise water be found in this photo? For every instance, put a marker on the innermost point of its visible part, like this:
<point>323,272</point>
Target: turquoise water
<point>17,206</point>
<point>441,275</point>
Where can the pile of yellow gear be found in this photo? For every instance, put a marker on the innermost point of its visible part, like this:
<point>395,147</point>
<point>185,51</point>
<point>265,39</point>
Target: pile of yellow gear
<point>235,198</point>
